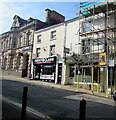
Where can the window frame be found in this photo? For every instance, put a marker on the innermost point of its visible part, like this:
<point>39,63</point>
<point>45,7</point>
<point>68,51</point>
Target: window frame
<point>52,46</point>
<point>29,38</point>
<point>53,35</point>
<point>39,38</point>
<point>38,53</point>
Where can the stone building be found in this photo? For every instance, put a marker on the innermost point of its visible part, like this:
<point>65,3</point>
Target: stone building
<point>17,44</point>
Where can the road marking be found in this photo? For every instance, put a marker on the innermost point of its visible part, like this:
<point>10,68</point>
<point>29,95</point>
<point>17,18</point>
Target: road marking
<point>39,114</point>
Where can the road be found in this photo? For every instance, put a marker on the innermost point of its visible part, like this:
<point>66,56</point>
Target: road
<point>57,103</point>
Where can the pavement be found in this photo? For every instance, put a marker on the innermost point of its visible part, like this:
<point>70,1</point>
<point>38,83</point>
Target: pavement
<point>13,112</point>
<point>6,75</point>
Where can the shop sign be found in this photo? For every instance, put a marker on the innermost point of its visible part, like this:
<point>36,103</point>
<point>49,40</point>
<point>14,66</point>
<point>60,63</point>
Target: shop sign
<point>44,60</point>
<point>70,60</point>
<point>27,48</point>
<point>89,59</point>
<point>111,63</point>
<point>102,59</point>
<point>49,77</point>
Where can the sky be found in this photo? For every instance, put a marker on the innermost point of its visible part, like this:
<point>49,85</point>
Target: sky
<point>33,9</point>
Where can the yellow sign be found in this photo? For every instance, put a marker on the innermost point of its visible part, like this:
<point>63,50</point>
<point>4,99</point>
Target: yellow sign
<point>102,59</point>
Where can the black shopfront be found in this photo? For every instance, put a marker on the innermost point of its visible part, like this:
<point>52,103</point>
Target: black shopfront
<point>45,68</point>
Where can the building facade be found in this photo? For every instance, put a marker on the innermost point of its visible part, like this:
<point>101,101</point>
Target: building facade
<point>17,44</point>
<point>48,53</point>
<point>59,43</point>
<point>97,36</point>
<point>86,46</point>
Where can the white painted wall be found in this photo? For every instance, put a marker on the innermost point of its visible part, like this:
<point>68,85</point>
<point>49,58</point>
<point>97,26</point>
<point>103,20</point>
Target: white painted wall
<point>72,35</point>
<point>46,41</point>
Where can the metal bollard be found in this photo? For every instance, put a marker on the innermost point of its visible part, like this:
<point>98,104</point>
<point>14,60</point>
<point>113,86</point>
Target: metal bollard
<point>114,97</point>
<point>82,114</point>
<point>24,103</point>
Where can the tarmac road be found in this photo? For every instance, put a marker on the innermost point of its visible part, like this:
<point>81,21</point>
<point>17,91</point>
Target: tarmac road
<point>57,103</point>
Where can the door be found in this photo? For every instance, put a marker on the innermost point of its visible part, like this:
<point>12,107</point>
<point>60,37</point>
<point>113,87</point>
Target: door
<point>71,74</point>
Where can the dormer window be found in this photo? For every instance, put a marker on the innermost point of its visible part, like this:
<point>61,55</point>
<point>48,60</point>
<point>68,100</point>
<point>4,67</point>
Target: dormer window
<point>16,21</point>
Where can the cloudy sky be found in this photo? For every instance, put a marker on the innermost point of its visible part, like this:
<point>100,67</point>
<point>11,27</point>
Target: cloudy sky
<point>34,9</point>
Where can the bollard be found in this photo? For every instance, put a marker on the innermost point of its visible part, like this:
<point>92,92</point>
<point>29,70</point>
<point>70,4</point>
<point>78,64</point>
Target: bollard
<point>24,103</point>
<point>82,115</point>
<point>114,97</point>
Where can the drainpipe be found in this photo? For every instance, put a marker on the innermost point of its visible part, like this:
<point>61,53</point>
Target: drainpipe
<point>64,55</point>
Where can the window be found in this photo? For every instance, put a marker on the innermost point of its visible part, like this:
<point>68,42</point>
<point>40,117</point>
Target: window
<point>28,38</point>
<point>48,69</point>
<point>38,38</point>
<point>38,52</point>
<point>21,41</point>
<point>71,73</point>
<point>53,35</point>
<point>87,27</point>
<point>52,50</point>
<point>86,46</point>
<point>14,43</point>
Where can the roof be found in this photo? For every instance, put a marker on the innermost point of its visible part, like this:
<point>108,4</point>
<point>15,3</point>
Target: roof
<point>22,21</point>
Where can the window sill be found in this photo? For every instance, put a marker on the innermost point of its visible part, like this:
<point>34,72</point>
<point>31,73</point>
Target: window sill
<point>52,39</point>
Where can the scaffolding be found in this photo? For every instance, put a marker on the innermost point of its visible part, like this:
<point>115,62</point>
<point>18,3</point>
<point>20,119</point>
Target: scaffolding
<point>97,35</point>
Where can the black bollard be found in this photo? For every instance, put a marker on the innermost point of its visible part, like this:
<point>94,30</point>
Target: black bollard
<point>24,103</point>
<point>82,115</point>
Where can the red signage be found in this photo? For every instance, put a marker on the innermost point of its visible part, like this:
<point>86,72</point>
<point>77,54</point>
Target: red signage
<point>44,60</point>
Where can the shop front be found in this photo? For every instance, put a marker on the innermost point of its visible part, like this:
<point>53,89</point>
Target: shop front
<point>44,69</point>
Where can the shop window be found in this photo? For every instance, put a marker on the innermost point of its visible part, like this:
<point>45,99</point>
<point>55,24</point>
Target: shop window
<point>52,50</point>
<point>53,35</point>
<point>71,72</point>
<point>38,38</point>
<point>48,70</point>
<point>38,52</point>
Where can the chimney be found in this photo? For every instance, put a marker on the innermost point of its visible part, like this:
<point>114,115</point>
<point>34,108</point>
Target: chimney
<point>48,16</point>
<point>52,17</point>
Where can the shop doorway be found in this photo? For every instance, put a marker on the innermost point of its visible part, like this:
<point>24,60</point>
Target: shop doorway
<point>71,74</point>
<point>59,73</point>
<point>25,66</point>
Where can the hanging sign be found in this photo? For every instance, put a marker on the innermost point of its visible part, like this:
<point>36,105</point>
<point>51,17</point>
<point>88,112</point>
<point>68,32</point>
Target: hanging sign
<point>111,63</point>
<point>27,48</point>
<point>102,59</point>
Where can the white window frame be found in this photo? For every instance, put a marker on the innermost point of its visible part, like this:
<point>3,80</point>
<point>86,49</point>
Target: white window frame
<point>39,38</point>
<point>53,35</point>
<point>38,52</point>
<point>52,50</point>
